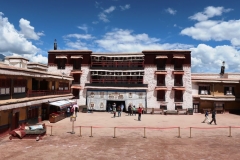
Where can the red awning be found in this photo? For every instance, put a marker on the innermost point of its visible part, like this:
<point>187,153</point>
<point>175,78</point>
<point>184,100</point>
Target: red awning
<point>76,87</point>
<point>160,88</point>
<point>160,72</point>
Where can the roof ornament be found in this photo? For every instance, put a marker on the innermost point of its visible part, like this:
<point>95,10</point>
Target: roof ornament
<point>55,44</point>
<point>222,68</point>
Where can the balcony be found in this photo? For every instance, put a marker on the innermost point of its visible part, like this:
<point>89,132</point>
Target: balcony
<point>116,65</point>
<point>115,85</point>
<point>37,93</point>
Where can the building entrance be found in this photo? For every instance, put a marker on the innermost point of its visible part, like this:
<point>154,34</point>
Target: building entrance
<point>118,103</point>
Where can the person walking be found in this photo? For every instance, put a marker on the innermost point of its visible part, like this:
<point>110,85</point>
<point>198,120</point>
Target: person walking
<point>213,117</point>
<point>122,107</point>
<point>134,110</point>
<point>139,113</point>
<point>129,110</point>
<point>114,112</point>
<point>76,110</point>
<point>72,110</point>
<point>206,117</point>
<point>119,111</point>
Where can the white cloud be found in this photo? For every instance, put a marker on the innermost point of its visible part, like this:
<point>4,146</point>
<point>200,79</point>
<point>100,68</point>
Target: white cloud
<point>83,27</point>
<point>215,30</point>
<point>103,17</point>
<point>37,58</point>
<point>171,11</point>
<point>79,36</point>
<point>95,22</point>
<point>28,31</point>
<point>120,40</point>
<point>209,59</point>
<point>127,6</point>
<point>209,12</point>
<point>13,42</point>
<point>110,9</point>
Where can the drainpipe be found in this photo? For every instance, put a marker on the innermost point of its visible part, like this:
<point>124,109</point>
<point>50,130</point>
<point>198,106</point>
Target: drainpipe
<point>213,89</point>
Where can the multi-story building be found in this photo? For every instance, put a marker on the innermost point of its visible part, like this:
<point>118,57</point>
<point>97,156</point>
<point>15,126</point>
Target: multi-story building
<point>216,91</point>
<point>26,94</point>
<point>151,79</point>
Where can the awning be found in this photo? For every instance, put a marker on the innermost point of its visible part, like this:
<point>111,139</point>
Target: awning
<point>61,104</point>
<point>177,72</point>
<point>76,87</point>
<point>60,56</point>
<point>214,81</point>
<point>160,88</point>
<point>179,56</point>
<point>179,88</point>
<point>75,72</point>
<point>160,72</point>
<point>218,99</point>
<point>160,57</point>
<point>76,57</point>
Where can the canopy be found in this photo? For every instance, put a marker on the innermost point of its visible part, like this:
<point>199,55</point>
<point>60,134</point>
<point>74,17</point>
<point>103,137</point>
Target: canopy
<point>180,56</point>
<point>61,56</point>
<point>162,56</point>
<point>61,104</point>
<point>76,57</point>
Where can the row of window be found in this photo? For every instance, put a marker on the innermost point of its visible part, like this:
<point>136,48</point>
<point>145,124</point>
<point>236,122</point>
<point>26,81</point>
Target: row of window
<point>205,90</point>
<point>6,91</point>
<point>178,96</point>
<point>177,80</point>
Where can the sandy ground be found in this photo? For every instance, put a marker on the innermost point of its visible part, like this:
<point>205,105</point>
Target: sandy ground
<point>162,142</point>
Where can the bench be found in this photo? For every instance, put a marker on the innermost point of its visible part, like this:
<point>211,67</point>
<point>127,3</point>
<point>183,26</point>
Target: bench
<point>182,111</point>
<point>157,110</point>
<point>172,112</point>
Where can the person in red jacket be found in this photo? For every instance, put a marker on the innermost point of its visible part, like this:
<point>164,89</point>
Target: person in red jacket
<point>139,113</point>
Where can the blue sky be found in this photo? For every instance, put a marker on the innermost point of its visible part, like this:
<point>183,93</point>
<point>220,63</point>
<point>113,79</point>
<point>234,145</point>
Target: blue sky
<point>209,28</point>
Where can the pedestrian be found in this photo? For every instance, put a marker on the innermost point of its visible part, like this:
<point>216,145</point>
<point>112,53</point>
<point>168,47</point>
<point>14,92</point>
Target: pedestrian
<point>206,117</point>
<point>114,106</point>
<point>76,110</point>
<point>68,111</point>
<point>134,110</point>
<point>129,110</point>
<point>213,117</point>
<point>72,110</point>
<point>108,107</point>
<point>139,113</point>
<point>122,107</point>
<point>119,111</point>
<point>114,112</point>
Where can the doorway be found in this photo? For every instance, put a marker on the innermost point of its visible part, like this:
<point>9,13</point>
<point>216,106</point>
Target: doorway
<point>15,121</point>
<point>195,107</point>
<point>118,103</point>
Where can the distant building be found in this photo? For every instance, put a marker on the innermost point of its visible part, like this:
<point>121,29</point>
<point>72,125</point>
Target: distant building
<point>26,94</point>
<point>216,91</point>
<point>151,79</point>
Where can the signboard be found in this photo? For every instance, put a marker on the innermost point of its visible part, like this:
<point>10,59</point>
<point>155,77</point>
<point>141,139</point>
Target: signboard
<point>72,119</point>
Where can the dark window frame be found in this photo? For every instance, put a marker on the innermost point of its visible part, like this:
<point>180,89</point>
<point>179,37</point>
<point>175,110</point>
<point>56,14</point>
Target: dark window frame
<point>161,95</point>
<point>202,90</point>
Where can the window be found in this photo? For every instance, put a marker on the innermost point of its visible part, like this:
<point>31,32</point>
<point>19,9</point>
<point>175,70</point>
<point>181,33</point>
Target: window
<point>161,95</point>
<point>219,106</point>
<point>5,85</point>
<point>164,107</point>
<point>204,90</point>
<point>63,86</point>
<point>178,96</point>
<point>178,64</point>
<point>178,107</point>
<point>61,63</point>
<point>161,80</point>
<point>161,64</point>
<point>178,80</point>
<point>229,91</point>
<point>19,85</point>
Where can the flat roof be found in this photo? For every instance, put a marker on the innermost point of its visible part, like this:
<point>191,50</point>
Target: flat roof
<point>16,57</point>
<point>69,51</point>
<point>167,51</point>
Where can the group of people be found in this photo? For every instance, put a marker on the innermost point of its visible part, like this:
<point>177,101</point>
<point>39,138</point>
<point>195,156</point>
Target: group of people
<point>213,117</point>
<point>71,110</point>
<point>119,109</point>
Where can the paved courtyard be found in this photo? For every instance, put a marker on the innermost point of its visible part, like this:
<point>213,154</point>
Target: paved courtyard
<point>162,142</point>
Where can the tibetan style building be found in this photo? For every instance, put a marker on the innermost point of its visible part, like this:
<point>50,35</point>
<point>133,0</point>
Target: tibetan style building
<point>28,93</point>
<point>151,79</point>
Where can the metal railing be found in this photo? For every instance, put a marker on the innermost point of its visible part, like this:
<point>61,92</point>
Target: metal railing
<point>37,93</point>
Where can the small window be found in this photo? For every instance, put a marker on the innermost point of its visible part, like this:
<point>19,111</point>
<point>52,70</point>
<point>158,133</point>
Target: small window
<point>178,96</point>
<point>229,91</point>
<point>204,90</point>
<point>161,95</point>
<point>164,107</point>
<point>178,107</point>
